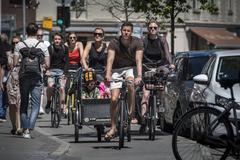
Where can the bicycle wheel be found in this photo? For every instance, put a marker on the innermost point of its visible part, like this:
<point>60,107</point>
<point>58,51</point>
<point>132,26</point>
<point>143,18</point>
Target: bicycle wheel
<point>69,107</point>
<point>201,135</point>
<point>129,129</point>
<point>76,128</point>
<point>152,117</point>
<point>55,111</point>
<point>121,124</point>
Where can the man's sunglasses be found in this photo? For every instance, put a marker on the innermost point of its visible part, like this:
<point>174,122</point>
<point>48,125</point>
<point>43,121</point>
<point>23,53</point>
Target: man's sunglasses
<point>39,35</point>
<point>98,34</point>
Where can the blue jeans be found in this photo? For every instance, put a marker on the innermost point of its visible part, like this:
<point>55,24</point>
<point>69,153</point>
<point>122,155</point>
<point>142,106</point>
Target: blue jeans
<point>33,87</point>
<point>3,106</point>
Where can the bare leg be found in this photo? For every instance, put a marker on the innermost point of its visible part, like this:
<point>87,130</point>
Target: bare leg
<point>113,112</point>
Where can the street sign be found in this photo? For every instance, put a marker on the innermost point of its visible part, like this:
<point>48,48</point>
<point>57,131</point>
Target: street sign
<point>47,23</point>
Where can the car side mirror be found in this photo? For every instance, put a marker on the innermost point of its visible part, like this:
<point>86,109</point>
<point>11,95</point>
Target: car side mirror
<point>201,79</point>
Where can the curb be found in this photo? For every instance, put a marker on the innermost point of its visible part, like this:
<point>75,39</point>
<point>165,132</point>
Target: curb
<point>62,149</point>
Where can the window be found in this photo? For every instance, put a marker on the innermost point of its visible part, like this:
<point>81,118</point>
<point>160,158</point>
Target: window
<point>230,12</point>
<point>229,68</point>
<point>196,6</point>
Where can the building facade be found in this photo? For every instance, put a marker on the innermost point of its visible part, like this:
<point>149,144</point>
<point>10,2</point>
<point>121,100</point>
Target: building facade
<point>200,30</point>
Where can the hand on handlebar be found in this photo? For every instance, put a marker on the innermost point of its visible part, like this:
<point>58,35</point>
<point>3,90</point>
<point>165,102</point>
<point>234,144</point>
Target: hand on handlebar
<point>138,80</point>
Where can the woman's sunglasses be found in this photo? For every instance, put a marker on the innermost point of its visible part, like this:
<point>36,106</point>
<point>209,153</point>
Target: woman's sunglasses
<point>98,34</point>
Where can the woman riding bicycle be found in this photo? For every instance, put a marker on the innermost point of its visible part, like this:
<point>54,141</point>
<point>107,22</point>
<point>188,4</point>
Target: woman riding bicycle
<point>95,57</point>
<point>58,62</point>
<point>155,49</point>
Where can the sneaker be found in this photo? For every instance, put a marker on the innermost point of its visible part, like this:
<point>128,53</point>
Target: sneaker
<point>26,134</point>
<point>47,107</point>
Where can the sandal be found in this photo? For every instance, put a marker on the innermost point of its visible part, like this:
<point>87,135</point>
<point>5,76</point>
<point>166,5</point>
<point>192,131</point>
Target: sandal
<point>109,135</point>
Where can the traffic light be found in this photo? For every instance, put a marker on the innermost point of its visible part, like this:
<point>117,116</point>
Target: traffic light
<point>63,16</point>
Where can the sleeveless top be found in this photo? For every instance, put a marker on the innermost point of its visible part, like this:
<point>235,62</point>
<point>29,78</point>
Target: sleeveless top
<point>97,60</point>
<point>74,56</point>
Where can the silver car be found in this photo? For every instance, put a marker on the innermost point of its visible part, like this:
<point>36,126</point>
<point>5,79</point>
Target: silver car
<point>177,93</point>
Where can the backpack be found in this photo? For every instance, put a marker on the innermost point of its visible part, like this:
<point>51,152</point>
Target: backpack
<point>32,59</point>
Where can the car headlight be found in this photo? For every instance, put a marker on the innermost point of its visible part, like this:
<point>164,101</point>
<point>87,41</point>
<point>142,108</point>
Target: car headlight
<point>221,101</point>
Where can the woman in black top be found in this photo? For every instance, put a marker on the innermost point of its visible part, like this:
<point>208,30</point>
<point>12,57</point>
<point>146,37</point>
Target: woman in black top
<point>94,55</point>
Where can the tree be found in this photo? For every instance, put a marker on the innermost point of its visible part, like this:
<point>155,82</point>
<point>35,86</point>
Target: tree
<point>116,8</point>
<point>169,9</point>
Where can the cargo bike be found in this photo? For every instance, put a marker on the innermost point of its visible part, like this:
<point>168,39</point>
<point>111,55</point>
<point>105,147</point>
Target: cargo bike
<point>95,112</point>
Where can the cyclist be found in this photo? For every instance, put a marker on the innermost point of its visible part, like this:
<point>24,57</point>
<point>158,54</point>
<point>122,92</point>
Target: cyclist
<point>75,51</point>
<point>58,60</point>
<point>96,56</point>
<point>124,53</point>
<point>95,52</point>
<point>155,50</point>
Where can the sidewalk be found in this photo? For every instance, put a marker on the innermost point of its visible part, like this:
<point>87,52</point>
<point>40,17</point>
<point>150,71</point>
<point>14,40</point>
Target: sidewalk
<point>40,147</point>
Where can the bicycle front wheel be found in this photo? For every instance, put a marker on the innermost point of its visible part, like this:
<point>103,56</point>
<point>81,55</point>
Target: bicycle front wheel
<point>55,111</point>
<point>152,118</point>
<point>121,124</point>
<point>200,134</point>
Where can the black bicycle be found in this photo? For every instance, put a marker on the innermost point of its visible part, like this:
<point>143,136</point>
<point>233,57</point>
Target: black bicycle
<point>154,80</point>
<point>208,133</point>
<point>124,121</point>
<point>55,102</point>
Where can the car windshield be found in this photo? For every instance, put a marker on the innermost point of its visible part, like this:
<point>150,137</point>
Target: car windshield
<point>195,66</point>
<point>229,68</point>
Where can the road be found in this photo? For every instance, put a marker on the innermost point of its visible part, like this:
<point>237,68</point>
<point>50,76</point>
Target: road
<point>140,148</point>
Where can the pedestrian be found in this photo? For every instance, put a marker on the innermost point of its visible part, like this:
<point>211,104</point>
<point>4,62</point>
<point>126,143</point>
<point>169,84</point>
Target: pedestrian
<point>156,50</point>
<point>13,92</point>
<point>34,55</point>
<point>3,64</point>
<point>40,35</point>
<point>58,63</point>
<point>124,54</point>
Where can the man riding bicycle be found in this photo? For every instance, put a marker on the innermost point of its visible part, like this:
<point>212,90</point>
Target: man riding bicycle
<point>124,53</point>
<point>58,62</point>
<point>156,50</point>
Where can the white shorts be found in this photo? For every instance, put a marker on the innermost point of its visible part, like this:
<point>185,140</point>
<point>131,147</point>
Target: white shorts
<point>117,85</point>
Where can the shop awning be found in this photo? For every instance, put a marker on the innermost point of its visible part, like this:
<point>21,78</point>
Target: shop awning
<point>219,37</point>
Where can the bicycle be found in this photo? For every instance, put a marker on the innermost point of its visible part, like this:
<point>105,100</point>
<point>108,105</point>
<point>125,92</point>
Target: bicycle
<point>124,121</point>
<point>154,80</point>
<point>70,99</point>
<point>210,133</point>
<point>55,99</point>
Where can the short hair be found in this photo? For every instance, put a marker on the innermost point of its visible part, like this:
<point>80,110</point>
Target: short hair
<point>127,24</point>
<point>32,29</point>
<point>58,34</point>
<point>153,21</point>
<point>99,28</point>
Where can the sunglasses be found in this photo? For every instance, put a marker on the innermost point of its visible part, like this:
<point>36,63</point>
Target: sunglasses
<point>72,37</point>
<point>155,28</point>
<point>98,34</point>
<point>14,43</point>
<point>39,35</point>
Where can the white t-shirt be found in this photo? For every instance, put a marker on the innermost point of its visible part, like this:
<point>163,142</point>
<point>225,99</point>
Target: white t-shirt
<point>31,42</point>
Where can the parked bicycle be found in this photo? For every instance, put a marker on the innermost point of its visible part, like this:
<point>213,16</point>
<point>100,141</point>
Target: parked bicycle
<point>208,133</point>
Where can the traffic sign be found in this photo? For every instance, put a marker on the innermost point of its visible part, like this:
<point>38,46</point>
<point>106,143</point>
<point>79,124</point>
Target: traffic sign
<point>47,23</point>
